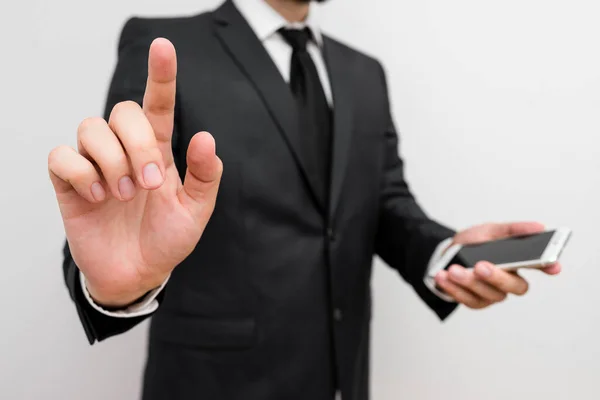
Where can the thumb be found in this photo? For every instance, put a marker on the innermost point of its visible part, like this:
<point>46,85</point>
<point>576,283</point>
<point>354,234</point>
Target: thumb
<point>202,177</point>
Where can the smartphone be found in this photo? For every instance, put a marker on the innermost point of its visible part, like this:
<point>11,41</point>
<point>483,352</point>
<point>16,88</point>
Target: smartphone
<point>530,251</point>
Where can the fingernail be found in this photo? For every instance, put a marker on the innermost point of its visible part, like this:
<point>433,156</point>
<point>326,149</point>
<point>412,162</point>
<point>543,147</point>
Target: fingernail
<point>457,273</point>
<point>126,188</point>
<point>484,269</point>
<point>98,191</point>
<point>152,175</point>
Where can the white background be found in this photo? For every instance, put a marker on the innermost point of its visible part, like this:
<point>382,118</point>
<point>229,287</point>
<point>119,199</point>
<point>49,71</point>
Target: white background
<point>498,105</point>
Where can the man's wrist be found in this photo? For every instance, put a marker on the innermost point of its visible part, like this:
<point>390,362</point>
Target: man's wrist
<point>120,299</point>
<point>439,259</point>
<point>145,305</point>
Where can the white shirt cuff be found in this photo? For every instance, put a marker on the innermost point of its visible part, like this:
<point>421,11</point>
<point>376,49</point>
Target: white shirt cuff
<point>438,261</point>
<point>147,305</point>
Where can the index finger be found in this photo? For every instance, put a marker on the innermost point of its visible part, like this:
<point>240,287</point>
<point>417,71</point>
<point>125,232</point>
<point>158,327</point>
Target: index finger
<point>504,281</point>
<point>159,98</point>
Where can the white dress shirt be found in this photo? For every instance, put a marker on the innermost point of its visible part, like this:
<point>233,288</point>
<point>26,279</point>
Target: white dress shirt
<point>265,22</point>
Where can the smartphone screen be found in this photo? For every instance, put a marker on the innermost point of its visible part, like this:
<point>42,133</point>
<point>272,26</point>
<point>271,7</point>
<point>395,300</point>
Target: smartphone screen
<point>504,251</point>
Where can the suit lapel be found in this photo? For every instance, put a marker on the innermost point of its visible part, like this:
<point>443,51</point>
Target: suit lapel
<point>341,84</point>
<point>252,58</point>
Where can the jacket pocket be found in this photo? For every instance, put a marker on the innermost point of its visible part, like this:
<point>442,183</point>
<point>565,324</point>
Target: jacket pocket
<point>205,333</point>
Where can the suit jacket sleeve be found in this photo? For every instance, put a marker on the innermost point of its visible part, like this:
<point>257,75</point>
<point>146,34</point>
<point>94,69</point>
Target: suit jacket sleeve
<point>406,236</point>
<point>128,83</point>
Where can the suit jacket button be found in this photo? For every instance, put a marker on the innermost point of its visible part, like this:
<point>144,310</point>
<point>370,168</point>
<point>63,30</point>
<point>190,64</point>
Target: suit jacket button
<point>331,234</point>
<point>338,315</point>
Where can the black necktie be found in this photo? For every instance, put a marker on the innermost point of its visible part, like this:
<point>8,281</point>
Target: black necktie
<point>313,109</point>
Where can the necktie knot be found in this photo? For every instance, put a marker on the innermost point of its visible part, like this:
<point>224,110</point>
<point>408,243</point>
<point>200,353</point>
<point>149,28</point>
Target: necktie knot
<point>297,38</point>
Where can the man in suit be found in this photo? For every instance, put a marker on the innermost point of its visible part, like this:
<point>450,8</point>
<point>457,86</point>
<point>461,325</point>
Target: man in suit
<point>255,264</point>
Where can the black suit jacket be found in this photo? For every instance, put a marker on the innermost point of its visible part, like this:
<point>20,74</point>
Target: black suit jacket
<point>275,301</point>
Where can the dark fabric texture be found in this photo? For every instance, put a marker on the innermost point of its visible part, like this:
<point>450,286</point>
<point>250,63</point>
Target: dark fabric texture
<point>275,301</point>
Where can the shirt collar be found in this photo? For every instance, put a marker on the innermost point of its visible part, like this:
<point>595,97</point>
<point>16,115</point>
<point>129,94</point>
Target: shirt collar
<point>265,21</point>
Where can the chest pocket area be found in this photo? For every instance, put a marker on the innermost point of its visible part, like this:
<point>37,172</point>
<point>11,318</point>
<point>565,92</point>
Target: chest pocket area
<point>365,166</point>
<point>213,281</point>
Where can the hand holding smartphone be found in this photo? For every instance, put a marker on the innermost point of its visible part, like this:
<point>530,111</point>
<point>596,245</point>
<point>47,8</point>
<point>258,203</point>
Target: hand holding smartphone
<point>531,251</point>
